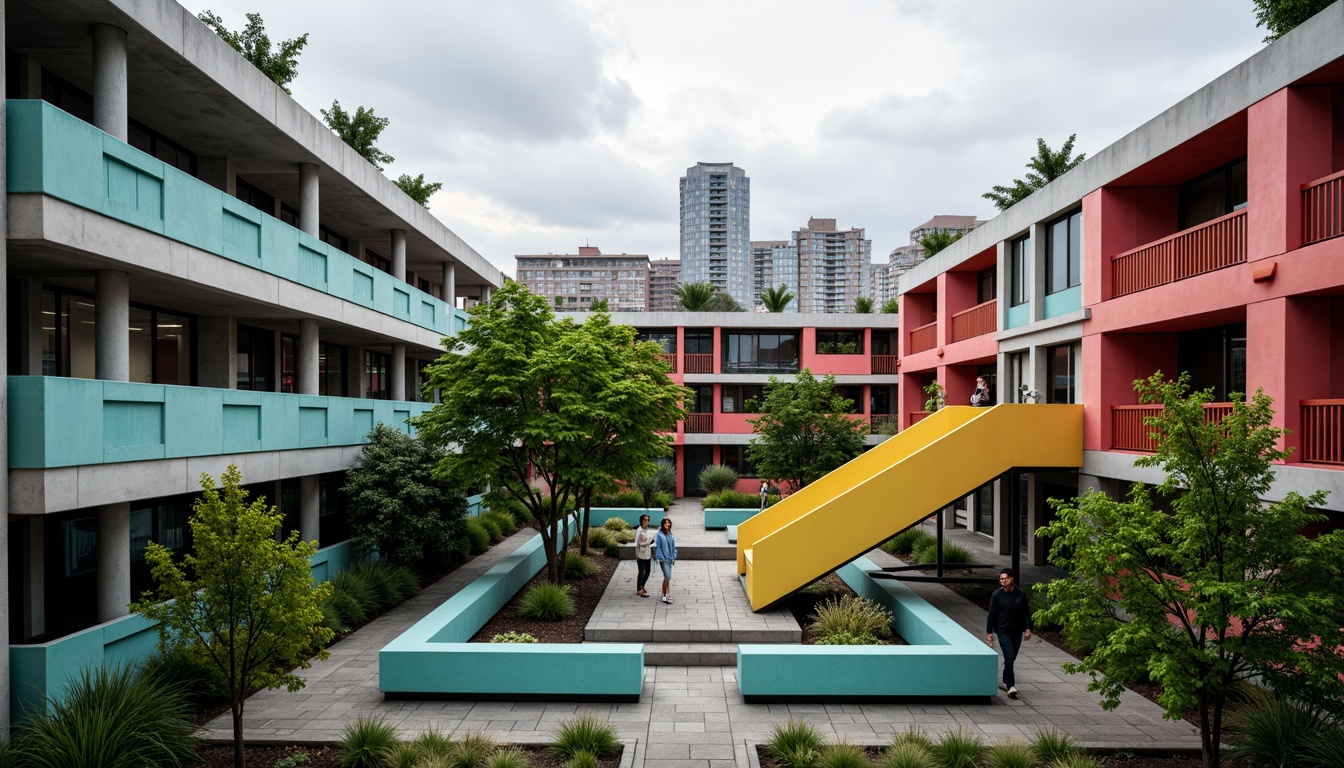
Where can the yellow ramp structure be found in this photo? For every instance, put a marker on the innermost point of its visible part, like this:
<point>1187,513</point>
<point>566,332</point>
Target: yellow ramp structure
<point>895,485</point>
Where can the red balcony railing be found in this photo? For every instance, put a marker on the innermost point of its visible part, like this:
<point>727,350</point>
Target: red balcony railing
<point>1129,433</point>
<point>1210,246</point>
<point>885,364</point>
<point>924,337</point>
<point>699,363</point>
<point>883,423</point>
<point>1323,431</point>
<point>976,321</point>
<point>1323,209</point>
<point>671,359</point>
<point>699,423</point>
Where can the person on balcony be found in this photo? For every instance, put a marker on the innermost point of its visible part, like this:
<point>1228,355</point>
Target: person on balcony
<point>981,398</point>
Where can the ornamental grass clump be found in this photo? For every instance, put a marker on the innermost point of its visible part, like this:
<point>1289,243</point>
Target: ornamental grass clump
<point>908,755</point>
<point>616,524</point>
<point>959,749</point>
<point>367,742</point>
<point>916,736</point>
<point>507,757</point>
<point>1009,755</point>
<point>433,743</point>
<point>953,554</point>
<point>547,602</point>
<point>794,744</point>
<point>1272,727</point>
<point>908,541</point>
<point>1051,746</point>
<point>472,750</point>
<point>581,759</point>
<point>585,732</point>
<point>599,538</point>
<point>578,567</point>
<point>853,616</point>
<point>843,755</point>
<point>717,477</point>
<point>477,537</point>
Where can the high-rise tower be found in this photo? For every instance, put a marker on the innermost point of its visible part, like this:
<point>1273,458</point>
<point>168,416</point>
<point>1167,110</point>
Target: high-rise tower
<point>716,229</point>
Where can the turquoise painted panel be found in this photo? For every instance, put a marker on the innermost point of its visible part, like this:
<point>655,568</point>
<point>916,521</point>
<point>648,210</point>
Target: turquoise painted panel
<point>58,422</point>
<point>53,153</point>
<point>629,514</point>
<point>722,518</point>
<point>460,319</point>
<point>1064,302</point>
<point>1019,315</point>
<point>475,505</point>
<point>428,310</point>
<point>362,287</point>
<point>942,659</point>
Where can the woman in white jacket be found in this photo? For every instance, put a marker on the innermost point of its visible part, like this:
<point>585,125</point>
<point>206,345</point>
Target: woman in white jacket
<point>643,554</point>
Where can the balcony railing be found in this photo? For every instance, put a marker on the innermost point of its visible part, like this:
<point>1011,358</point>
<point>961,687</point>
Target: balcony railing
<point>885,365</point>
<point>1323,431</point>
<point>883,423</point>
<point>699,423</point>
<point>1323,209</point>
<point>1129,433</point>
<point>924,337</point>
<point>1210,246</point>
<point>671,359</point>
<point>699,363</point>
<point>976,321</point>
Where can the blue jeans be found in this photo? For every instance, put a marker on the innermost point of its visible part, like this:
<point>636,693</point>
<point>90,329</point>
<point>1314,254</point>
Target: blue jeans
<point>1009,643</point>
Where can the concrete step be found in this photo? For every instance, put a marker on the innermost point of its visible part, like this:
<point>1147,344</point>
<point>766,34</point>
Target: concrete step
<point>690,654</point>
<point>691,635</point>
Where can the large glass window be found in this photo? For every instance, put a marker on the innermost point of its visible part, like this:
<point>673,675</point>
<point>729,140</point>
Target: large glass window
<point>854,394</point>
<point>1062,370</point>
<point>879,399</point>
<point>1064,253</point>
<point>1213,194</point>
<point>377,385</point>
<point>159,343</point>
<point>699,342</point>
<point>839,342</point>
<point>1019,271</point>
<point>735,456</point>
<point>742,398</point>
<point>760,352</point>
<point>702,399</point>
<point>288,363</point>
<point>1214,357</point>
<point>331,373</point>
<point>256,359</point>
<point>987,285</point>
<point>665,338</point>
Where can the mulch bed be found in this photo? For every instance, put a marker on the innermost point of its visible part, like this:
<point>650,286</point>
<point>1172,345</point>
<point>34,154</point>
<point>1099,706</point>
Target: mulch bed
<point>1111,761</point>
<point>587,593</point>
<point>221,756</point>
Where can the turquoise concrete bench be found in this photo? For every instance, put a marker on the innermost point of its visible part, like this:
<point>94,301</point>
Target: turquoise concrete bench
<point>629,514</point>
<point>433,660</point>
<point>732,534</point>
<point>719,518</point>
<point>942,660</point>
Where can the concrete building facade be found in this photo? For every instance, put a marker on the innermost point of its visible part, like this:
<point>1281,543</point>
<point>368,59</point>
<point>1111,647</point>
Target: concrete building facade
<point>664,277</point>
<point>774,263</point>
<point>574,281</point>
<point>199,273</point>
<point>716,229</point>
<point>834,266</point>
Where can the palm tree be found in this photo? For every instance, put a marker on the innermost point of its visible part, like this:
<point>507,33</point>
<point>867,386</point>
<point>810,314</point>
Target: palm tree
<point>891,307</point>
<point>1044,168</point>
<point>694,297</point>
<point>776,299</point>
<point>863,305</point>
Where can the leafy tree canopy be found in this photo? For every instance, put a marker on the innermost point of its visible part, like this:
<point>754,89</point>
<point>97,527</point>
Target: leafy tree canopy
<point>243,600</point>
<point>863,305</point>
<point>723,302</point>
<point>1279,17</point>
<point>803,431</point>
<point>777,299</point>
<point>280,65</point>
<point>359,130</point>
<point>397,504</point>
<point>891,307</point>
<point>1222,588</point>
<point>936,241</point>
<point>417,188</point>
<point>1042,169</point>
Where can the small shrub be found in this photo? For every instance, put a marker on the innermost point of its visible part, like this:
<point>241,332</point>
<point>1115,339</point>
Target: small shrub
<point>621,499</point>
<point>623,537</point>
<point>616,524</point>
<point>1271,728</point>
<point>717,477</point>
<point>1052,746</point>
<point>509,757</point>
<point>547,602</point>
<point>376,577</point>
<point>505,522</point>
<point>847,638</point>
<point>405,756</point>
<point>1009,755</point>
<point>613,551</point>
<point>585,732</point>
<point>477,537</point>
<point>342,611</point>
<point>203,684</point>
<point>356,586</point>
<point>731,499</point>
<point>581,759</point>
<point>1327,748</point>
<point>791,743</point>
<point>578,567</point>
<point>908,755</point>
<point>914,736</point>
<point>403,582</point>
<point>853,615</point>
<point>821,588</point>
<point>513,637</point>
<point>663,499</point>
<point>599,538</point>
<point>953,554</point>
<point>472,750</point>
<point>491,527</point>
<point>843,755</point>
<point>959,749</point>
<point>908,541</point>
<point>293,761</point>
<point>1075,761</point>
<point>367,742</point>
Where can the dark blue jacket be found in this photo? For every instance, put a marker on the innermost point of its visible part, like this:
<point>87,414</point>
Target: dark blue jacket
<point>1008,612</point>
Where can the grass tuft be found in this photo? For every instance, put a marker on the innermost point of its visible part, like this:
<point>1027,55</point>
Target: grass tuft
<point>547,602</point>
<point>908,755</point>
<point>959,749</point>
<point>853,616</point>
<point>585,732</point>
<point>367,742</point>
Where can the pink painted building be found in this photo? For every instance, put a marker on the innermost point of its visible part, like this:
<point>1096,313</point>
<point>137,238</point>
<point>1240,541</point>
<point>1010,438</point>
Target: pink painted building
<point>1208,240</point>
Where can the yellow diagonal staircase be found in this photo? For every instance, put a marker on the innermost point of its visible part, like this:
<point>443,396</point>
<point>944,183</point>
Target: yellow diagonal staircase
<point>895,485</point>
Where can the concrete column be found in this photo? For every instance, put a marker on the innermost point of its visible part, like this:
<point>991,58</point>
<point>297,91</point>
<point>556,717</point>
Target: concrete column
<point>112,313</point>
<point>109,80</point>
<point>354,373</point>
<point>35,597</point>
<point>217,352</point>
<point>308,198</point>
<point>399,255</point>
<point>450,283</point>
<point>485,294</point>
<point>1039,271</point>
<point>219,172</point>
<point>4,409</point>
<point>309,508</point>
<point>306,358</point>
<point>114,561</point>
<point>397,374</point>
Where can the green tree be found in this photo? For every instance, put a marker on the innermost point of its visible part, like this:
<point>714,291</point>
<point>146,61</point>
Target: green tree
<point>863,305</point>
<point>1222,588</point>
<point>1042,169</point>
<point>359,130</point>
<point>280,65</point>
<point>936,241</point>
<point>891,307</point>
<point>397,504</point>
<point>663,479</point>
<point>416,188</point>
<point>527,399</point>
<point>243,600</point>
<point>722,302</point>
<point>694,297</point>
<point>803,431</point>
<point>1279,17</point>
<point>777,299</point>
<point>598,305</point>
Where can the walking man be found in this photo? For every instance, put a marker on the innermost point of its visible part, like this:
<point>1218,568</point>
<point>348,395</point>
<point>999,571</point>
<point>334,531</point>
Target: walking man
<point>1009,619</point>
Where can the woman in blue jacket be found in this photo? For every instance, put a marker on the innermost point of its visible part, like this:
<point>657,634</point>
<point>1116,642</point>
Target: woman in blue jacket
<point>665,552</point>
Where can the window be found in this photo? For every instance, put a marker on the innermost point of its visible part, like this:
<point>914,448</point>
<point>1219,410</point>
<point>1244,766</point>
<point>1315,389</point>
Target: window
<point>839,342</point>
<point>1063,253</point>
<point>987,285</point>
<point>256,359</point>
<point>374,260</point>
<point>335,239</point>
<point>984,509</point>
<point>331,369</point>
<point>735,456</point>
<point>854,394</point>
<point>1214,357</point>
<point>760,352</point>
<point>699,342</point>
<point>159,343</point>
<point>1062,371</point>
<point>667,339</point>
<point>879,400</point>
<point>742,398</point>
<point>702,399</point>
<point>254,197</point>
<point>1213,194</point>
<point>377,385</point>
<point>288,368</point>
<point>1019,271</point>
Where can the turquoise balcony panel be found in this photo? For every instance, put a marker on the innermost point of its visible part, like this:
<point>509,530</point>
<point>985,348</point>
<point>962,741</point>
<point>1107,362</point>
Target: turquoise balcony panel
<point>1019,315</point>
<point>1064,302</point>
<point>52,153</point>
<point>59,422</point>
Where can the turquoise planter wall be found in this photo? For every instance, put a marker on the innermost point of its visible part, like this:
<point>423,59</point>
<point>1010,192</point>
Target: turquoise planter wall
<point>723,518</point>
<point>60,422</point>
<point>52,153</point>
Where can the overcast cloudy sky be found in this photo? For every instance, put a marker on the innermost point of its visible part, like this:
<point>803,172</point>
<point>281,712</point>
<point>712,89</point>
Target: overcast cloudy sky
<point>555,123</point>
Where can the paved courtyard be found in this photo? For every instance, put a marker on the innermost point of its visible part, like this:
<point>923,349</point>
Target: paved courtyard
<point>693,716</point>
